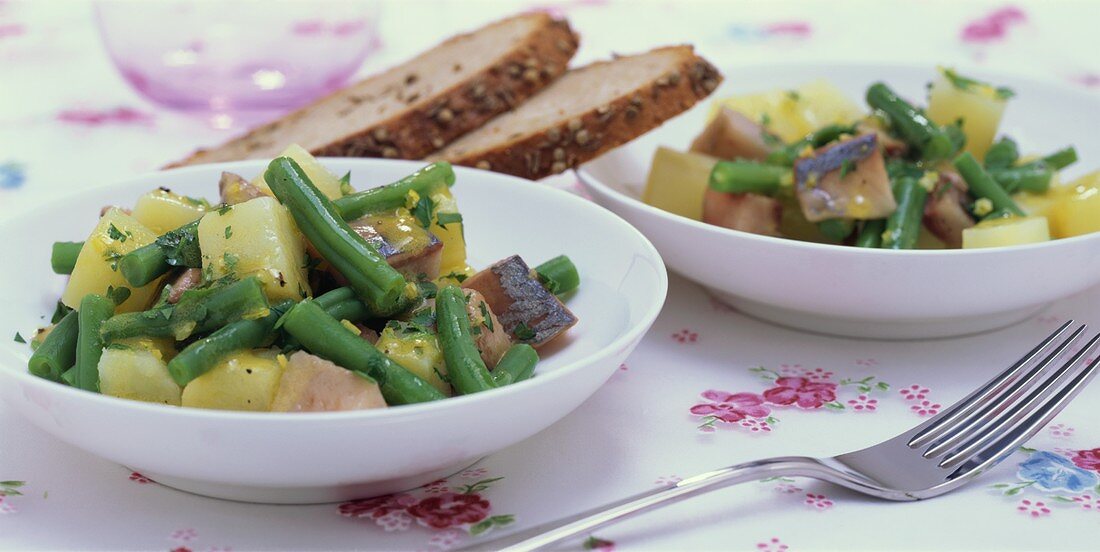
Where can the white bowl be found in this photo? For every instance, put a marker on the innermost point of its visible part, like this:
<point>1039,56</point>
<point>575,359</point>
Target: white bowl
<point>323,457</point>
<point>863,292</point>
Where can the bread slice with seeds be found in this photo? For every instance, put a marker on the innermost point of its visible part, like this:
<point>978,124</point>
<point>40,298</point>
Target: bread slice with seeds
<point>419,106</point>
<point>587,112</point>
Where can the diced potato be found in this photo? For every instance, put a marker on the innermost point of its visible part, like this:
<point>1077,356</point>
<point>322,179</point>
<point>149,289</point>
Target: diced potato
<point>161,210</point>
<point>137,373</point>
<point>247,380</point>
<point>417,351</point>
<point>257,237</point>
<point>97,265</point>
<point>677,181</point>
<point>1006,232</point>
<point>1078,213</point>
<point>313,384</point>
<point>328,183</point>
<point>792,114</point>
<point>979,105</point>
<point>451,234</point>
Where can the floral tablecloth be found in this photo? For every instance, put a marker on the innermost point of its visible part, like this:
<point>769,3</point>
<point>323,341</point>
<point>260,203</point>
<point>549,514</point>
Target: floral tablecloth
<point>708,387</point>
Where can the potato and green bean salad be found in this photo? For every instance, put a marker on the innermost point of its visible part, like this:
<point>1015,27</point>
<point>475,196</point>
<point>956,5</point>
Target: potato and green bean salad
<point>809,165</point>
<point>295,293</point>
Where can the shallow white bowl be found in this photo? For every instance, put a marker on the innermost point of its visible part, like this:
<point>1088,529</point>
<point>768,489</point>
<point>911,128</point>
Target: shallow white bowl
<point>860,292</point>
<point>322,457</point>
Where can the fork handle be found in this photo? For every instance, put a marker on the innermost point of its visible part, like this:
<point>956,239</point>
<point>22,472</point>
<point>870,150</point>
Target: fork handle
<point>556,531</point>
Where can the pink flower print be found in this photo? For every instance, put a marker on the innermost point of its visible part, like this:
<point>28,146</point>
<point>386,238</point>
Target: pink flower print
<point>926,408</point>
<point>1087,80</point>
<point>994,26</point>
<point>866,362</point>
<point>819,501</point>
<point>1034,509</point>
<point>863,403</point>
<point>787,488</point>
<point>1087,459</point>
<point>450,510</point>
<point>376,507</point>
<point>755,425</point>
<point>6,506</point>
<point>183,535</point>
<point>914,392</point>
<point>772,545</point>
<point>397,520</point>
<point>474,473</point>
<point>623,367</point>
<point>12,29</point>
<point>95,118</point>
<point>731,408</point>
<point>800,391</point>
<point>668,480</point>
<point>793,29</point>
<point>138,478</point>
<point>1087,502</point>
<point>1060,431</point>
<point>685,336</point>
<point>445,540</point>
<point>436,487</point>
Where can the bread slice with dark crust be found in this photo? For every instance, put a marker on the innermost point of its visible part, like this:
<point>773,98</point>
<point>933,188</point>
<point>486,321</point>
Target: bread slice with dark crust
<point>586,112</point>
<point>423,104</point>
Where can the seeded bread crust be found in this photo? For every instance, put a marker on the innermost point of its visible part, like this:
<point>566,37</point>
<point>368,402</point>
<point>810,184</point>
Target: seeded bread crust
<point>568,143</point>
<point>427,123</point>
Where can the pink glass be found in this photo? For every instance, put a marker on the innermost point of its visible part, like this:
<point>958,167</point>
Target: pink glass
<point>236,59</point>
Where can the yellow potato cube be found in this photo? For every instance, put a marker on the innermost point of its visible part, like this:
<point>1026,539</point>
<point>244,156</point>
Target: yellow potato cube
<point>161,210</point>
<point>450,233</point>
<point>328,183</point>
<point>97,265</point>
<point>979,105</point>
<point>417,352</point>
<point>247,380</point>
<point>1005,232</point>
<point>792,114</point>
<point>677,181</point>
<point>257,237</point>
<point>137,373</point>
<point>1078,213</point>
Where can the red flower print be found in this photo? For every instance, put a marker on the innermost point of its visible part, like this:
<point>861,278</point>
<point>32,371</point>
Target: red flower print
<point>6,507</point>
<point>436,487</point>
<point>755,425</point>
<point>183,535</point>
<point>801,391</point>
<point>863,403</point>
<point>138,478</point>
<point>450,510</point>
<point>1087,459</point>
<point>914,392</point>
<point>926,408</point>
<point>729,407</point>
<point>376,507</point>
<point>1087,502</point>
<point>445,540</point>
<point>685,336</point>
<point>772,545</point>
<point>818,501</point>
<point>474,473</point>
<point>1033,509</point>
<point>787,488</point>
<point>1061,431</point>
<point>994,26</point>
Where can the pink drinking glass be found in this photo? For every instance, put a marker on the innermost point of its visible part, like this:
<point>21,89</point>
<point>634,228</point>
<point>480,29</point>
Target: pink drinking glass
<point>236,60</point>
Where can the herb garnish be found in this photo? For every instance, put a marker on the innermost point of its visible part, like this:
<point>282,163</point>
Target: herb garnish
<point>523,332</point>
<point>59,312</point>
<point>225,208</point>
<point>115,234</point>
<point>19,338</point>
<point>965,83</point>
<point>443,219</point>
<point>487,315</point>
<point>228,232</point>
<point>118,295</point>
<point>423,211</point>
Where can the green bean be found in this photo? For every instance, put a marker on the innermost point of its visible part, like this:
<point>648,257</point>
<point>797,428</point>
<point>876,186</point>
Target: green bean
<point>837,230</point>
<point>787,155</point>
<point>909,122</point>
<point>179,247</point>
<point>155,322</point>
<point>465,368</point>
<point>747,177</point>
<point>1002,154</point>
<point>395,195</point>
<point>198,311</point>
<point>1032,177</point>
<point>1061,158</point>
<point>903,225</point>
<point>559,275</point>
<point>983,185</point>
<point>199,357</point>
<point>956,136</point>
<point>94,310</point>
<point>326,337</point>
<point>870,235</point>
<point>57,351</point>
<point>377,283</point>
<point>335,296</point>
<point>68,377</point>
<point>352,310</point>
<point>517,364</point>
<point>63,256</point>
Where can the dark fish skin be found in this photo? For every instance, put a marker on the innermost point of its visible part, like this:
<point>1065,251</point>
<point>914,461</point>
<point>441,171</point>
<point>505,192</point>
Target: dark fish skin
<point>515,294</point>
<point>413,265</point>
<point>831,159</point>
<point>845,179</point>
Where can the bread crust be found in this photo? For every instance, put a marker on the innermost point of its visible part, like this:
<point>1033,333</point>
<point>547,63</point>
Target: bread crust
<point>428,124</point>
<point>564,146</point>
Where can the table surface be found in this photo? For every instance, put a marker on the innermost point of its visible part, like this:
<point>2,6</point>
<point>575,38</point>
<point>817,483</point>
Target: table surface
<point>667,413</point>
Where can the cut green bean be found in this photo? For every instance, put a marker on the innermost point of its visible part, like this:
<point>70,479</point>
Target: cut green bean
<point>904,224</point>
<point>334,297</point>
<point>912,124</point>
<point>870,235</point>
<point>1002,154</point>
<point>377,283</point>
<point>199,357</point>
<point>1032,177</point>
<point>837,230</point>
<point>352,310</point>
<point>94,310</point>
<point>57,352</point>
<point>465,368</point>
<point>983,185</point>
<point>179,247</point>
<point>396,194</point>
<point>1061,158</point>
<point>326,337</point>
<point>787,155</point>
<point>198,311</point>
<point>747,177</point>
<point>559,275</point>
<point>517,364</point>
<point>63,256</point>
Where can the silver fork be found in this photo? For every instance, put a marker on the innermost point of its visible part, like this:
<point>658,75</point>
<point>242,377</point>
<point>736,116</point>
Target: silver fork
<point>936,457</point>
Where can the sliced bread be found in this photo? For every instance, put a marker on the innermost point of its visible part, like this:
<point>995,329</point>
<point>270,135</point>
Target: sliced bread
<point>419,106</point>
<point>587,112</point>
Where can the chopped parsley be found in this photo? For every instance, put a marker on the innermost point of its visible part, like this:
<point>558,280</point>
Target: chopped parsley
<point>424,317</point>
<point>523,332</point>
<point>115,234</point>
<point>59,312</point>
<point>443,219</point>
<point>19,338</point>
<point>457,276</point>
<point>427,289</point>
<point>845,167</point>
<point>793,95</point>
<point>194,202</point>
<point>230,261</point>
<point>112,257</point>
<point>225,208</point>
<point>228,232</point>
<point>487,315</point>
<point>181,248</point>
<point>345,184</point>
<point>423,211</point>
<point>966,83</point>
<point>765,120</point>
<point>118,295</point>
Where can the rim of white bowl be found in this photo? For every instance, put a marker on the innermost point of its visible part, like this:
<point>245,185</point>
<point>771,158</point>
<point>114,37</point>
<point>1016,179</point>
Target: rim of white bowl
<point>591,181</point>
<point>633,333</point>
